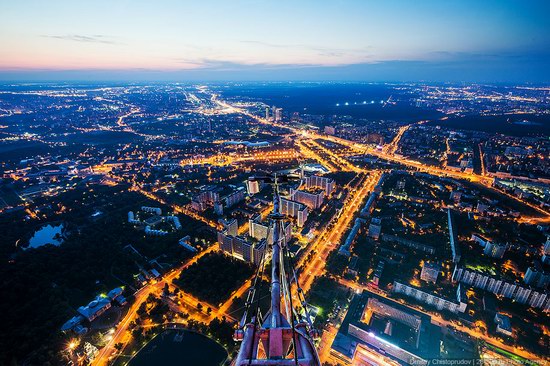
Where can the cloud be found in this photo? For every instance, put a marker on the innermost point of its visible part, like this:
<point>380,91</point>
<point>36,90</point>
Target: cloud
<point>447,67</point>
<point>329,55</point>
<point>97,38</point>
<point>321,49</point>
<point>229,65</point>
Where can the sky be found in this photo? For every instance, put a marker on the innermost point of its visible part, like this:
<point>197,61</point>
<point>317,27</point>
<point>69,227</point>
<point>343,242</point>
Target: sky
<point>338,40</point>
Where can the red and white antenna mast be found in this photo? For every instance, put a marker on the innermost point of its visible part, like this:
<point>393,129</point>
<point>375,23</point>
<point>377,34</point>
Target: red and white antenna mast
<point>284,336</point>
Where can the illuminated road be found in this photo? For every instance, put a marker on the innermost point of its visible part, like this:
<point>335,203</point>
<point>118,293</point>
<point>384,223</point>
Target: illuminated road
<point>237,293</point>
<point>226,160</point>
<point>342,163</point>
<point>440,172</point>
<point>328,240</point>
<point>308,152</point>
<point>122,335</point>
<point>392,147</point>
<point>365,149</point>
<point>120,120</point>
<point>179,209</point>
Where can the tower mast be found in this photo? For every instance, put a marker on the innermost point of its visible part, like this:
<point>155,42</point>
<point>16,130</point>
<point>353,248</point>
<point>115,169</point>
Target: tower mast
<point>280,338</point>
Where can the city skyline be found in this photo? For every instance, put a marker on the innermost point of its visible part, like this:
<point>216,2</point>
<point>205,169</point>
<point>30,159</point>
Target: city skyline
<point>414,219</point>
<point>498,41</point>
<point>253,182</point>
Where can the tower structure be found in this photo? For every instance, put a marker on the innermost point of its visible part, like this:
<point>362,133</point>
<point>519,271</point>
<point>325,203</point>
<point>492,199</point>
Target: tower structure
<point>284,335</point>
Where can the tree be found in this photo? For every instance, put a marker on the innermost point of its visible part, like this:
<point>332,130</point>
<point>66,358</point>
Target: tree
<point>151,298</point>
<point>213,277</point>
<point>336,263</point>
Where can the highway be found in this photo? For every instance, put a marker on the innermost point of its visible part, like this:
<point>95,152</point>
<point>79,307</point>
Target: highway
<point>326,241</point>
<point>121,334</point>
<point>391,147</point>
<point>433,170</point>
<point>329,239</point>
<point>388,153</point>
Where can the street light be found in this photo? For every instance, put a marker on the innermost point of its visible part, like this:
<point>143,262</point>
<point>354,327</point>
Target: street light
<point>72,344</point>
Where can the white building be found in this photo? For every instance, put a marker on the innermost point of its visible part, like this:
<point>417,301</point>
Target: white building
<point>294,209</point>
<point>155,210</point>
<point>439,302</point>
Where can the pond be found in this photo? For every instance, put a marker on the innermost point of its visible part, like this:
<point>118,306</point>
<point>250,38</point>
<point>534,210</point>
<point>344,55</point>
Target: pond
<point>180,347</point>
<point>48,234</point>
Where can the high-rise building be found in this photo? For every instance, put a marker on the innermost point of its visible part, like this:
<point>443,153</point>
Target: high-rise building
<point>259,230</point>
<point>234,197</point>
<point>204,199</point>
<point>369,206</point>
<point>401,184</point>
<point>495,250</point>
<point>455,249</point>
<point>218,207</point>
<point>155,210</point>
<point>253,252</point>
<point>503,324</point>
<point>547,247</point>
<point>317,181</point>
<point>456,196</point>
<point>330,130</point>
<point>546,252</point>
<point>536,277</point>
<point>345,249</point>
<point>311,200</point>
<point>294,209</point>
<point>231,226</point>
<point>239,247</point>
<point>253,186</point>
<point>524,295</point>
<point>378,272</point>
<point>490,249</point>
<point>256,229</point>
<point>225,241</point>
<point>278,114</point>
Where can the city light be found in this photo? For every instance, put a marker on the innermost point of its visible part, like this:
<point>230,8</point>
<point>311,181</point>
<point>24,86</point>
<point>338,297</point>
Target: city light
<point>268,219</point>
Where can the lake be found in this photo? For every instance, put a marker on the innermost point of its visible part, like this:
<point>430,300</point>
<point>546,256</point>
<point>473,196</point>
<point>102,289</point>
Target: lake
<point>48,234</point>
<point>177,347</point>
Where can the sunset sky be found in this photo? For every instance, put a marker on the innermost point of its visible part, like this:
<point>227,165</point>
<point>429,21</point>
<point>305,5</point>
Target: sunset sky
<point>470,40</point>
